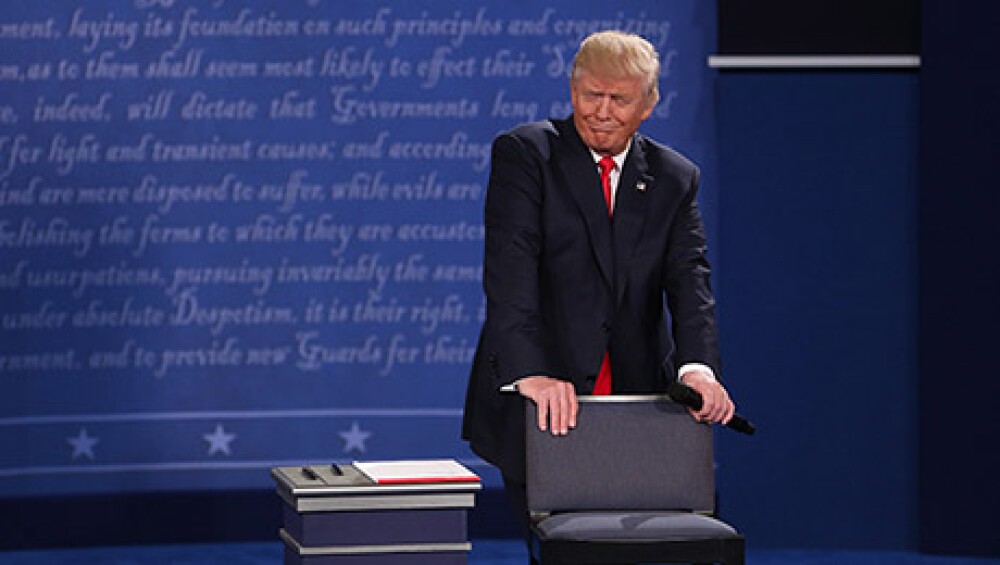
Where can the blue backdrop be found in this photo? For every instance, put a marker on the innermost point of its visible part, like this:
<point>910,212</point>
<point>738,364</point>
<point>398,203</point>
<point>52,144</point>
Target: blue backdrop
<point>818,298</point>
<point>240,235</point>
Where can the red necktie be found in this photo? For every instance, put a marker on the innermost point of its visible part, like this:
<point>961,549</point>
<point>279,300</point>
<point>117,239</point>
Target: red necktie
<point>607,164</point>
<point>603,384</point>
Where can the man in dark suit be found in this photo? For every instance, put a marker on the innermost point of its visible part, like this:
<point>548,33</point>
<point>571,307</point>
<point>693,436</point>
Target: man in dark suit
<point>582,299</point>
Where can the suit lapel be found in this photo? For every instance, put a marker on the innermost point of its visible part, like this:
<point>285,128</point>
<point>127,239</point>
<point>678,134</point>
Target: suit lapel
<point>631,206</point>
<point>584,184</point>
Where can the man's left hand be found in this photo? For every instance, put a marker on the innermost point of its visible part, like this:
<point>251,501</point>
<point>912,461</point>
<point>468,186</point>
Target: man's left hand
<point>716,406</point>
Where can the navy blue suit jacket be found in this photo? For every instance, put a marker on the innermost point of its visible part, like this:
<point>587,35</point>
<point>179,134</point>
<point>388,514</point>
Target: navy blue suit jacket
<point>564,283</point>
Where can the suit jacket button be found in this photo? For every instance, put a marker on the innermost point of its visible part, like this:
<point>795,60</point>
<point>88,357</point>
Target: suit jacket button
<point>606,327</point>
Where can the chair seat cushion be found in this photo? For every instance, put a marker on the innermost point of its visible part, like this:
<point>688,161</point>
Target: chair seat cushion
<point>624,526</point>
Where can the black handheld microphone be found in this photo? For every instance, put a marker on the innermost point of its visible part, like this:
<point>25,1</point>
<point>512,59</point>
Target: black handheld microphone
<point>686,396</point>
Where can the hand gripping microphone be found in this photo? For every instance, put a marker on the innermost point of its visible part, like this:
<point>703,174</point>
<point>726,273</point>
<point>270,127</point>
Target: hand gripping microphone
<point>686,396</point>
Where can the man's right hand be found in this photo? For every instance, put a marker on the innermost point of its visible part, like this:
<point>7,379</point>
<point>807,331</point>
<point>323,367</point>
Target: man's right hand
<point>555,400</point>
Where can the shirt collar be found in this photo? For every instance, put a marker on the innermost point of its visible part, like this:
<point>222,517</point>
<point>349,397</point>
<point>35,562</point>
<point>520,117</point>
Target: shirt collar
<point>619,158</point>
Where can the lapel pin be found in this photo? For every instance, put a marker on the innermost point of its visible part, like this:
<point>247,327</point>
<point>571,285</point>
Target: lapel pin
<point>643,183</point>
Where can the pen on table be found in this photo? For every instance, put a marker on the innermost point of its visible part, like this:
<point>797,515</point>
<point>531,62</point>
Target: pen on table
<point>310,473</point>
<point>336,469</point>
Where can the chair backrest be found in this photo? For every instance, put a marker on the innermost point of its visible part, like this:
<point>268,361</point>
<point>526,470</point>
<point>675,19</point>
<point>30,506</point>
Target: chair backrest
<point>626,453</point>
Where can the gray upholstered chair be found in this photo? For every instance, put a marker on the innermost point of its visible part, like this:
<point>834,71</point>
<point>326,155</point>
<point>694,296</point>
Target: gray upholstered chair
<point>633,483</point>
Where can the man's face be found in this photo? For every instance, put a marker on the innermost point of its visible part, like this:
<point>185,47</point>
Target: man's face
<point>608,111</point>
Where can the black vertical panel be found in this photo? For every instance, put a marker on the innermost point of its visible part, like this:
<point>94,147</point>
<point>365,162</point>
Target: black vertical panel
<point>827,27</point>
<point>959,239</point>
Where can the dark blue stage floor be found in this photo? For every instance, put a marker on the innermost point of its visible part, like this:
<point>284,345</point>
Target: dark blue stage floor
<point>484,552</point>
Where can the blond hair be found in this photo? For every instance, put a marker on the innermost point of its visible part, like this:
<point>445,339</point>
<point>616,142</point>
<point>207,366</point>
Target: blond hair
<point>618,54</point>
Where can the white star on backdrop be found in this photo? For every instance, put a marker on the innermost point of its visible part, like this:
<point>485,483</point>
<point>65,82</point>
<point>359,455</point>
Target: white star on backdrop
<point>83,445</point>
<point>219,440</point>
<point>354,438</point>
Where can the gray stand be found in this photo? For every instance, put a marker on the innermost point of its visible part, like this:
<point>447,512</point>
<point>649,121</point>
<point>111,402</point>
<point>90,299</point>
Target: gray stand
<point>347,519</point>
